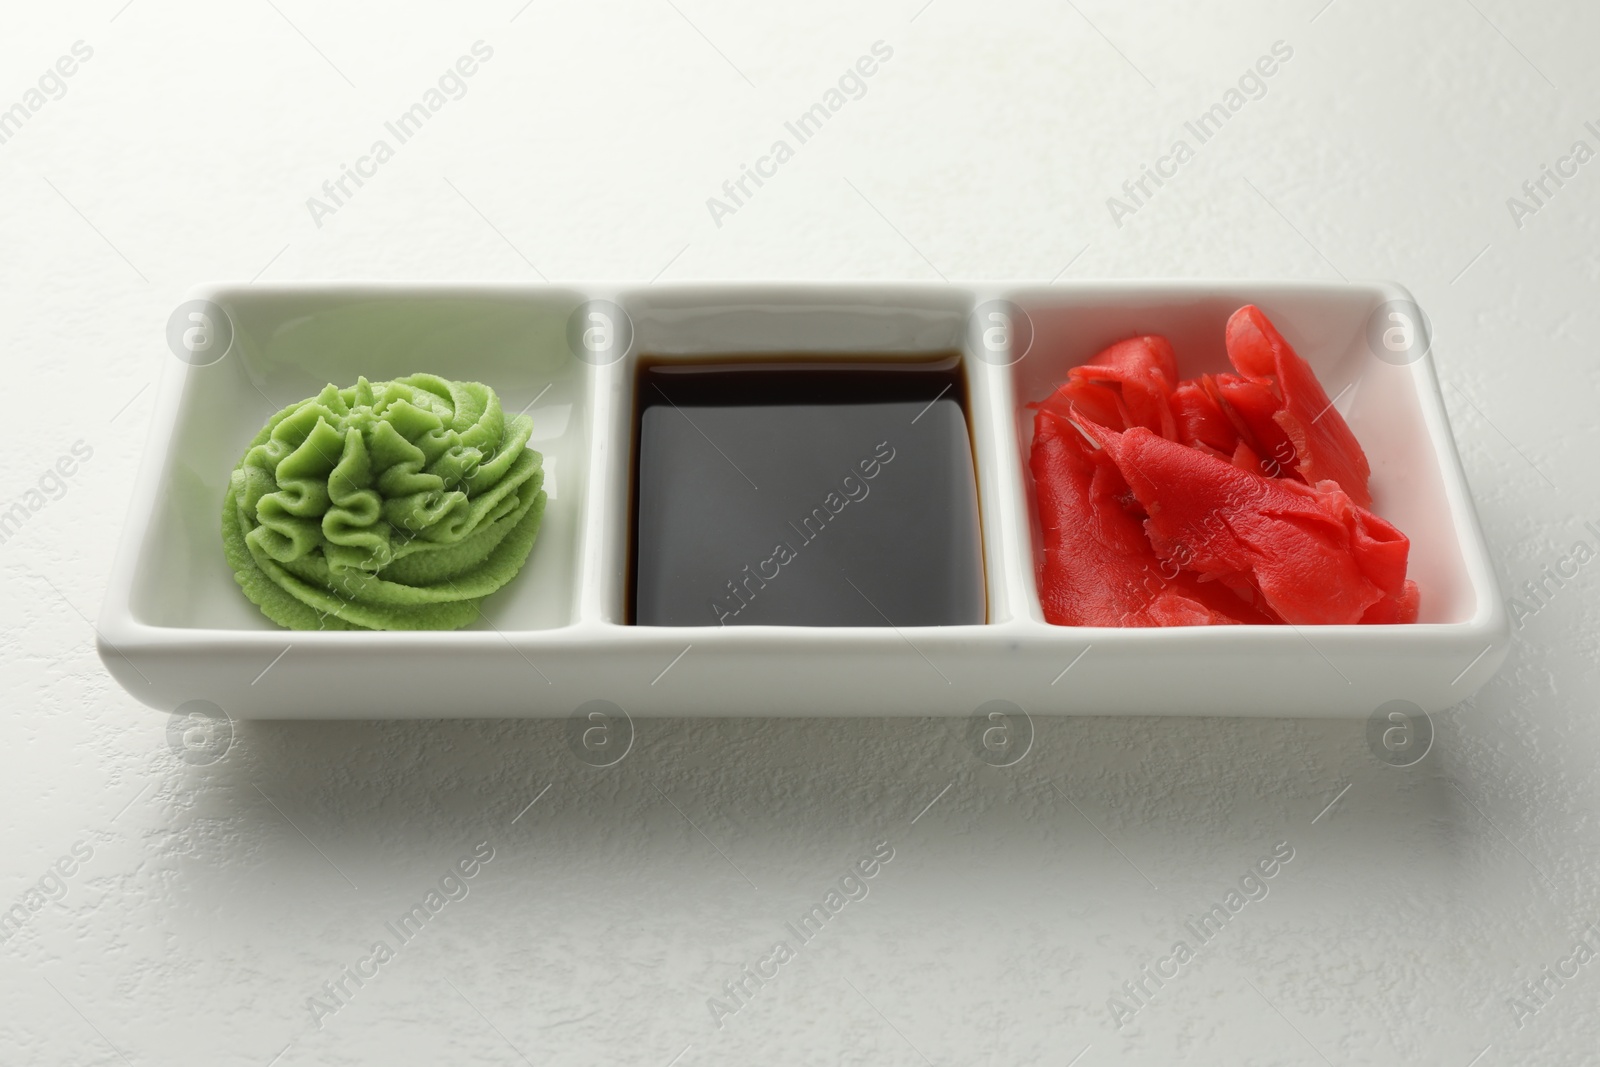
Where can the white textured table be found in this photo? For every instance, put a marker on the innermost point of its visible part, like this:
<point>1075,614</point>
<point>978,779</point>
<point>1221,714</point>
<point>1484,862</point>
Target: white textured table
<point>199,907</point>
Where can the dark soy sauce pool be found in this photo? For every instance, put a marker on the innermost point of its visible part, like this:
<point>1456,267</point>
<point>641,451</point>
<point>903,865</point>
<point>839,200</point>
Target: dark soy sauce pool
<point>805,491</point>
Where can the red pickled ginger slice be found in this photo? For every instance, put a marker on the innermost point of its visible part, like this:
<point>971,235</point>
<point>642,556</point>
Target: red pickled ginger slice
<point>1252,404</point>
<point>1098,403</point>
<point>1314,554</point>
<point>1200,419</point>
<point>1146,368</point>
<point>1324,447</point>
<point>1099,568</point>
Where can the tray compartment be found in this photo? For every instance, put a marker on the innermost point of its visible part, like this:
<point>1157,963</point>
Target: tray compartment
<point>287,346</point>
<point>756,324</point>
<point>1384,403</point>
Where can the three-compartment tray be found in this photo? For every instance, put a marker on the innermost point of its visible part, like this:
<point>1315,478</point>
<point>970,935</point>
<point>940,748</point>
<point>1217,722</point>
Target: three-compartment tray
<point>175,628</point>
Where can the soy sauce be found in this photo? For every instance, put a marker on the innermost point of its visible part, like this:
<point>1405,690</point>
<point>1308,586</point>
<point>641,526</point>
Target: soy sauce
<point>805,491</point>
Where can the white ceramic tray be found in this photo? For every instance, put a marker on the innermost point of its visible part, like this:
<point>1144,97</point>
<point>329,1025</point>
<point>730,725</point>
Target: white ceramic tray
<point>175,629</point>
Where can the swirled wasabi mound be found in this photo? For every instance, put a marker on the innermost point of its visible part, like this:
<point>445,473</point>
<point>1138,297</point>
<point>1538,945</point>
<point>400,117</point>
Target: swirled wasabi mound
<point>384,506</point>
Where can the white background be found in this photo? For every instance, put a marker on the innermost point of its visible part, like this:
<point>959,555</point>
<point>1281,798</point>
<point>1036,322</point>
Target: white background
<point>219,898</point>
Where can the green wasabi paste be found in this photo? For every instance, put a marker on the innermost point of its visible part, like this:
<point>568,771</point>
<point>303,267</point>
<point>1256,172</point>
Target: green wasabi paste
<point>384,506</point>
